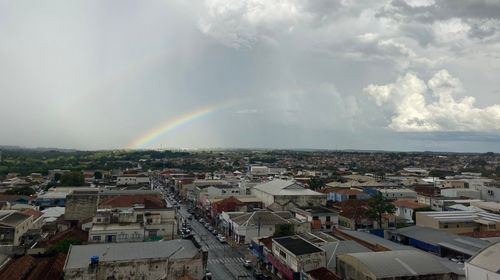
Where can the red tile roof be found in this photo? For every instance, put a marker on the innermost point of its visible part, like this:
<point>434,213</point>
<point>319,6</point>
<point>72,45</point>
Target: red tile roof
<point>127,201</point>
<point>13,197</point>
<point>35,214</point>
<point>18,268</point>
<point>71,233</point>
<point>410,204</point>
<point>323,274</point>
<point>49,268</point>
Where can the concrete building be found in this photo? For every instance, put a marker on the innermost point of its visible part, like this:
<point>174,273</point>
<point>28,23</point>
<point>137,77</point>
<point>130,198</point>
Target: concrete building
<point>485,265</point>
<point>460,192</point>
<point>132,179</point>
<point>283,192</point>
<point>343,194</point>
<point>398,193</point>
<point>292,255</point>
<point>459,221</point>
<point>13,225</point>
<point>321,218</point>
<point>257,224</point>
<point>143,260</point>
<point>401,265</point>
<point>81,204</point>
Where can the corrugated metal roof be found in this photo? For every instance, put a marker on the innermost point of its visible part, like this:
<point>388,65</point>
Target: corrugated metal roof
<point>79,256</point>
<point>400,263</point>
<point>489,258</point>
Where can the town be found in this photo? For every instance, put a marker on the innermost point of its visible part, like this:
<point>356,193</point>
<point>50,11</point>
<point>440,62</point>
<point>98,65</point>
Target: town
<point>248,214</point>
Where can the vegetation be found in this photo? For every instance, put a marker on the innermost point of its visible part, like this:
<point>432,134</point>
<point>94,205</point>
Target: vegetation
<point>73,179</point>
<point>62,246</point>
<point>377,207</point>
<point>283,230</point>
<point>21,191</point>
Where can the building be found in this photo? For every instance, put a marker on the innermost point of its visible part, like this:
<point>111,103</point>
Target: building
<point>485,265</point>
<point>132,225</point>
<point>234,204</point>
<point>438,242</point>
<point>283,192</point>
<point>13,225</point>
<point>132,179</point>
<point>81,204</point>
<point>143,260</point>
<point>321,218</point>
<point>398,193</point>
<point>292,255</point>
<point>459,221</point>
<point>455,184</point>
<point>406,209</point>
<point>401,265</point>
<point>343,194</point>
<point>257,224</point>
<point>460,192</point>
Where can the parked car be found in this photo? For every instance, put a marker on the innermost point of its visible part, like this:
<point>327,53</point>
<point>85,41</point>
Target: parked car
<point>201,220</point>
<point>222,239</point>
<point>210,228</point>
<point>215,232</point>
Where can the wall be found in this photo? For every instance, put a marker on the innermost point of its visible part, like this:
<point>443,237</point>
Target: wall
<point>144,269</point>
<point>473,272</point>
<point>81,206</point>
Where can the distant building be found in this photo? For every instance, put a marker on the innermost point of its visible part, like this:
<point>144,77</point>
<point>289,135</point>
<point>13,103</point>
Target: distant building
<point>282,192</point>
<point>459,221</point>
<point>143,260</point>
<point>321,218</point>
<point>398,193</point>
<point>132,179</point>
<point>406,208</point>
<point>13,225</point>
<point>81,204</point>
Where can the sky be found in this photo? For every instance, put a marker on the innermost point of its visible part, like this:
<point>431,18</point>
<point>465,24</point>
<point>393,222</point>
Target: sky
<point>406,75</point>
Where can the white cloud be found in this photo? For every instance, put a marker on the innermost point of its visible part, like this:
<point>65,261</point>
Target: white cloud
<point>239,23</point>
<point>420,3</point>
<point>450,30</point>
<point>435,106</point>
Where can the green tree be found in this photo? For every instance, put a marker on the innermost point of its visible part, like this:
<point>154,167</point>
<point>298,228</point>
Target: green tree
<point>62,246</point>
<point>73,179</point>
<point>283,230</point>
<point>57,177</point>
<point>21,191</point>
<point>98,175</point>
<point>377,207</point>
<point>317,183</point>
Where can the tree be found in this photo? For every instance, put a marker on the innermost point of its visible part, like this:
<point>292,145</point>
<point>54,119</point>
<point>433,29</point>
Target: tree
<point>283,230</point>
<point>317,183</point>
<point>377,207</point>
<point>72,179</point>
<point>62,246</point>
<point>21,191</point>
<point>98,175</point>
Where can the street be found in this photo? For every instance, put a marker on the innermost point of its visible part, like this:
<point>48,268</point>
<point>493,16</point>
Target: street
<point>224,262</point>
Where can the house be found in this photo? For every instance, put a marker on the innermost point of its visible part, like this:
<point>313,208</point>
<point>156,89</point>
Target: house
<point>343,194</point>
<point>143,260</point>
<point>292,255</point>
<point>401,265</point>
<point>352,214</point>
<point>13,225</point>
<point>257,224</point>
<point>282,192</point>
<point>485,265</point>
<point>321,218</point>
<point>461,192</point>
<point>405,209</point>
<point>234,204</point>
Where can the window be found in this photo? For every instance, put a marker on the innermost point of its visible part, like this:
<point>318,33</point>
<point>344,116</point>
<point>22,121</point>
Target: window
<point>96,238</point>
<point>328,218</point>
<point>283,254</point>
<point>315,218</point>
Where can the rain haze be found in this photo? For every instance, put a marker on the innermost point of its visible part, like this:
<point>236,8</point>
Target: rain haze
<point>387,75</point>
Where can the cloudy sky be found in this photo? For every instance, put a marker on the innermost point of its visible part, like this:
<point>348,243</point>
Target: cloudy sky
<point>351,74</point>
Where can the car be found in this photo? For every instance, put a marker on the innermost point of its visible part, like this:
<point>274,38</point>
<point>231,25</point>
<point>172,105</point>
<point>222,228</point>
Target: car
<point>210,228</point>
<point>219,235</point>
<point>215,232</point>
<point>247,264</point>
<point>208,275</point>
<point>201,220</point>
<point>190,217</point>
<point>221,239</point>
<point>207,225</point>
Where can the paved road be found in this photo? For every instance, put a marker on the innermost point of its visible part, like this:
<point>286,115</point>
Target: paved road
<point>223,261</point>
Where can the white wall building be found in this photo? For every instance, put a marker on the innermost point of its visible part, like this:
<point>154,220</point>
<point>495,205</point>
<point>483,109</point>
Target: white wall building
<point>398,193</point>
<point>135,179</point>
<point>485,265</point>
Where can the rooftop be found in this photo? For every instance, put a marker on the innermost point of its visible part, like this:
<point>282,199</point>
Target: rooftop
<point>488,258</point>
<point>261,217</point>
<point>410,204</point>
<point>297,245</point>
<point>464,244</point>
<point>79,256</point>
<point>14,219</point>
<point>284,187</point>
<point>399,263</point>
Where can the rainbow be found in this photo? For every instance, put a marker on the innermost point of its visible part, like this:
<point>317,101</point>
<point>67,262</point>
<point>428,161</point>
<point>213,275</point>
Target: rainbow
<point>172,124</point>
